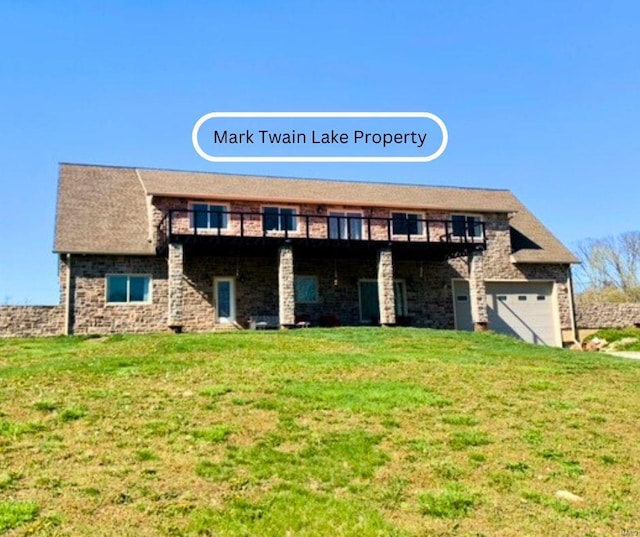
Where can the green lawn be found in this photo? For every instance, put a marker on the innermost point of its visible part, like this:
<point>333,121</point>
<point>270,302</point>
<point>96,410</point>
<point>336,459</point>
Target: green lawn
<point>358,432</point>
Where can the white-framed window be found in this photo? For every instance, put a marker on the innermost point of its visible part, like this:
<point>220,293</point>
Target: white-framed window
<point>345,225</point>
<point>466,225</point>
<point>128,288</point>
<point>407,223</point>
<point>209,216</point>
<point>279,219</point>
<point>306,289</point>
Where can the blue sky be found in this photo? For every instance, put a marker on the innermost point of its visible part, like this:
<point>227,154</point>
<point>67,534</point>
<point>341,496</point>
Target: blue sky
<point>541,98</point>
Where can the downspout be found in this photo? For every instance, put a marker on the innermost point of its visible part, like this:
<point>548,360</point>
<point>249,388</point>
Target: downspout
<point>67,299</point>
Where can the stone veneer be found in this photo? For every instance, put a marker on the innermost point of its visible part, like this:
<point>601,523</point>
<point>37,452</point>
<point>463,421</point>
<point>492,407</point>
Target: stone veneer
<point>497,265</point>
<point>286,301</point>
<point>428,291</point>
<point>477,290</point>
<point>257,283</point>
<point>28,321</point>
<point>90,312</point>
<point>607,315</point>
<point>175,261</point>
<point>385,287</point>
<point>496,259</point>
<point>428,287</point>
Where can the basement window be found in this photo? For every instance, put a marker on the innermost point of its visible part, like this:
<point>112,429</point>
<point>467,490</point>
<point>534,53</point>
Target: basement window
<point>128,288</point>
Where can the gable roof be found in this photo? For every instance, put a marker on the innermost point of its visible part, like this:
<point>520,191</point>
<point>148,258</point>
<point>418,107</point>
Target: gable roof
<point>103,209</point>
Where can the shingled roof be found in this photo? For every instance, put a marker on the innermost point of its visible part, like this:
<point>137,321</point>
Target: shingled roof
<point>103,209</point>
<point>248,187</point>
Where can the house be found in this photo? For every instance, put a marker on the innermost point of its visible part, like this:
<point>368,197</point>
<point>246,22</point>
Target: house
<point>145,250</point>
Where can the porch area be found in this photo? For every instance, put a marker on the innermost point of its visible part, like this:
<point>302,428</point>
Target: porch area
<point>288,286</point>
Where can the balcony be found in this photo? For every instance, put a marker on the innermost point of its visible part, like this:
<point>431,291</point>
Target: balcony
<point>243,232</point>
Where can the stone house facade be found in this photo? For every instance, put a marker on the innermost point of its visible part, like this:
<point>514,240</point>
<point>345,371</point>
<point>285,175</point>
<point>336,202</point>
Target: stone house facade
<point>145,250</point>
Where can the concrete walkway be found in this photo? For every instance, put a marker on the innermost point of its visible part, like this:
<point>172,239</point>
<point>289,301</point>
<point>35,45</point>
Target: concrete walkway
<point>635,355</point>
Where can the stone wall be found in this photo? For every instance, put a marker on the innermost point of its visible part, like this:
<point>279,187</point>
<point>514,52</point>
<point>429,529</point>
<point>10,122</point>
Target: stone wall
<point>605,315</point>
<point>256,287</point>
<point>27,321</point>
<point>91,312</point>
<point>428,290</point>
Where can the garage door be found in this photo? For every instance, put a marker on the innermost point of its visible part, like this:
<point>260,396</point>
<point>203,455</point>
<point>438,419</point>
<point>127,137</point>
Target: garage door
<point>520,309</point>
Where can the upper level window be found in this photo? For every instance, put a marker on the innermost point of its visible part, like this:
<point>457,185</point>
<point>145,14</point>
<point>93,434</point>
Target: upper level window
<point>207,216</point>
<point>124,288</point>
<point>464,225</point>
<point>279,219</point>
<point>345,225</point>
<point>407,224</point>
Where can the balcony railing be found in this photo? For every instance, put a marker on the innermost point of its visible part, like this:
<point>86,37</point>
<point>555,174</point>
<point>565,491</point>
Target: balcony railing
<point>343,228</point>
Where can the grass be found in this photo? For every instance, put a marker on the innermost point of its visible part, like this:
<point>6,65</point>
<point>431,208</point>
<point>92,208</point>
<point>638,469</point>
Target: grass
<point>452,502</point>
<point>14,514</point>
<point>341,432</point>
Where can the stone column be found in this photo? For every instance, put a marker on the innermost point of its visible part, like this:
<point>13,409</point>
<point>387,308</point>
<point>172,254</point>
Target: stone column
<point>477,291</point>
<point>385,287</point>
<point>286,299</point>
<point>176,272</point>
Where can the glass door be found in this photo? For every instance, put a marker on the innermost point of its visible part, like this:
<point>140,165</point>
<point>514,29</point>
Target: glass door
<point>345,225</point>
<point>225,300</point>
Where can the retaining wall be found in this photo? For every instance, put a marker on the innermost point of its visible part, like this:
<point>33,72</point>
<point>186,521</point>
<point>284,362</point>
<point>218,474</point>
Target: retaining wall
<point>607,315</point>
<point>27,321</point>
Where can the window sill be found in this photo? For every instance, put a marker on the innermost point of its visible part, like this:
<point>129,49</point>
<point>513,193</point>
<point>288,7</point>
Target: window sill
<point>148,303</point>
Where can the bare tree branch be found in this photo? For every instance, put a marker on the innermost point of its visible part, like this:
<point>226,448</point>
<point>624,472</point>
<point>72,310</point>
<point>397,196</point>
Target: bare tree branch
<point>611,263</point>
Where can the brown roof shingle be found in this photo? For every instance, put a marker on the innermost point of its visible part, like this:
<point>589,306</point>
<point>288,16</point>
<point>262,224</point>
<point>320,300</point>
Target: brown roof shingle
<point>101,210</point>
<point>104,209</point>
<point>247,187</point>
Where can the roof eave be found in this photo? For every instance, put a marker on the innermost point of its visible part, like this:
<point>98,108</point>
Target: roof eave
<point>514,258</point>
<point>302,201</point>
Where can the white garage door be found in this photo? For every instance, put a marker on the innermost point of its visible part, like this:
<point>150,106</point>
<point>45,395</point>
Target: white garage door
<point>520,309</point>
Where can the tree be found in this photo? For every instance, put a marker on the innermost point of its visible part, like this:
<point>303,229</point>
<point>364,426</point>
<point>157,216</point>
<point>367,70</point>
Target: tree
<point>610,268</point>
